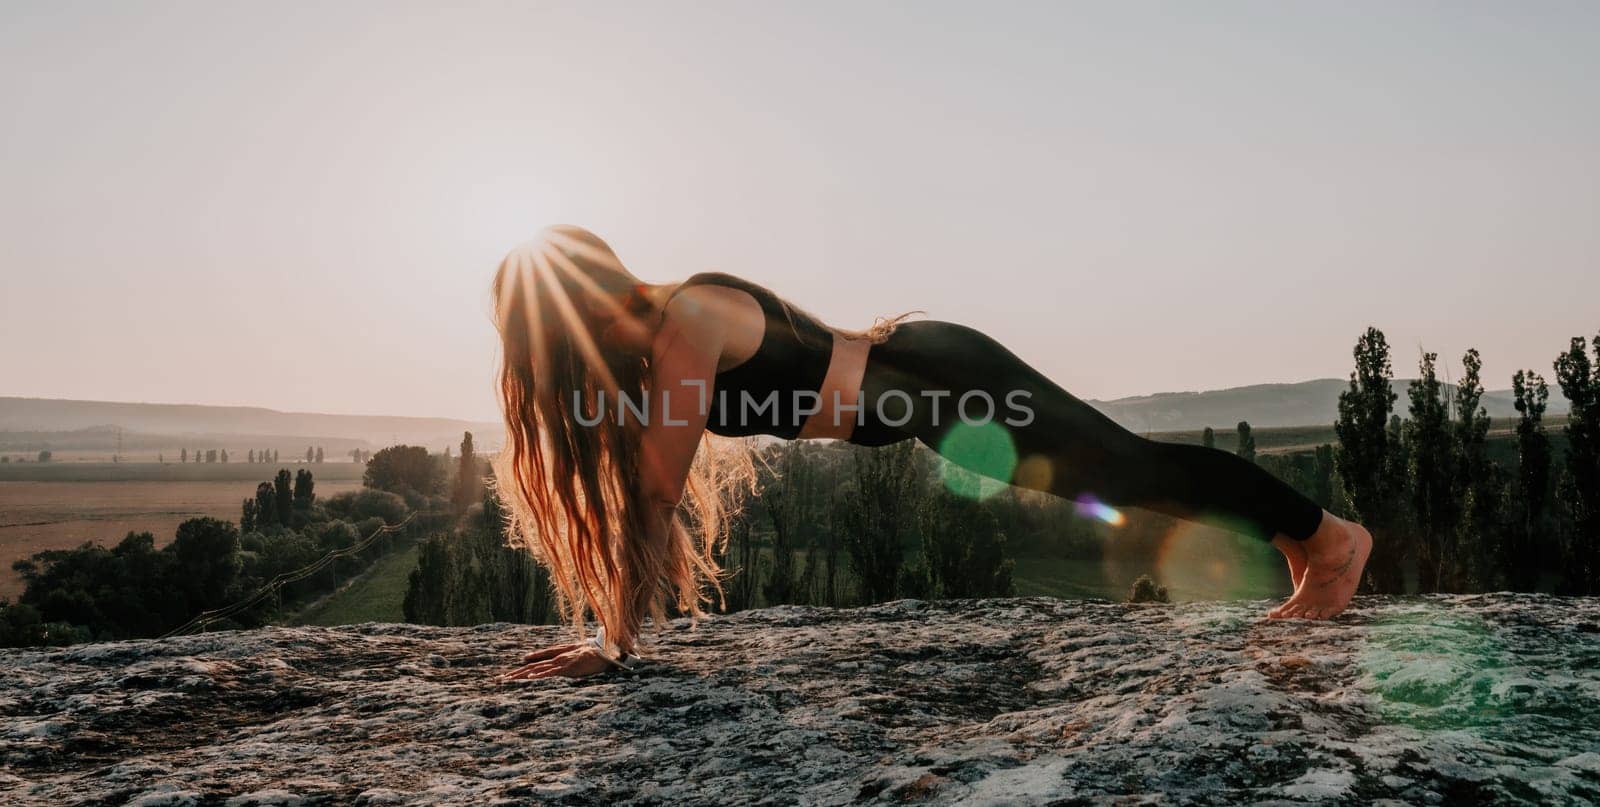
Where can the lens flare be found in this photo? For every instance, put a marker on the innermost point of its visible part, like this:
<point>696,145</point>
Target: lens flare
<point>1091,507</point>
<point>1034,473</point>
<point>981,457</point>
<point>1204,562</point>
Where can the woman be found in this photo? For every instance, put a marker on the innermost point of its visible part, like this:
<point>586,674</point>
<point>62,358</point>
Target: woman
<point>611,389</point>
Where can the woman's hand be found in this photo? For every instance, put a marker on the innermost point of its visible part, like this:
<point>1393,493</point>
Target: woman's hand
<point>574,660</point>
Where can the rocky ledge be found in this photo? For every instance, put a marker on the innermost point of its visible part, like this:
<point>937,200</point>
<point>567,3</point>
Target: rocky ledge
<point>1424,700</point>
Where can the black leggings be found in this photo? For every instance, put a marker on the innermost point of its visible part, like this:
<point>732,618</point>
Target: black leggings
<point>928,375</point>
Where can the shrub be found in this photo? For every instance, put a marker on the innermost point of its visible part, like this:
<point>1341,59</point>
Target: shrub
<point>1145,590</point>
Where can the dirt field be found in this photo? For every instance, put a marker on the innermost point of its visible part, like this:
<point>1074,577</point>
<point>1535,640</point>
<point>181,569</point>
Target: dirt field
<point>40,515</point>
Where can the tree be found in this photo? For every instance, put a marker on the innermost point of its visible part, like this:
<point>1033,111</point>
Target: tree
<point>21,625</point>
<point>1363,457</point>
<point>1579,489</point>
<point>274,456</point>
<point>741,558</point>
<point>472,576</point>
<point>266,504</point>
<point>1322,476</point>
<point>304,489</point>
<point>283,497</point>
<point>211,455</point>
<point>1480,485</point>
<point>251,457</point>
<point>224,455</point>
<point>183,456</point>
<point>247,516</point>
<point>1208,438</point>
<point>1247,442</point>
<point>310,454</point>
<point>963,550</point>
<point>402,469</point>
<point>207,561</point>
<point>785,504</point>
<point>319,455</point>
<point>1433,474</point>
<point>366,503</point>
<point>469,485</point>
<point>1526,551</point>
<point>45,455</point>
<point>878,508</point>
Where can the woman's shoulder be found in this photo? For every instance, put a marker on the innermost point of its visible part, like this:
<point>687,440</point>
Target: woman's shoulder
<point>718,314</point>
<point>713,296</point>
<point>706,288</point>
<point>725,280</point>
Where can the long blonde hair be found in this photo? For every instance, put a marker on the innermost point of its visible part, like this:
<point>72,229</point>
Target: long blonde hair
<point>569,491</point>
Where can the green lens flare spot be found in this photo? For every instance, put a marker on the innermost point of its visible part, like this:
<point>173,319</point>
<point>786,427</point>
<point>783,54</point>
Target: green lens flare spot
<point>979,457</point>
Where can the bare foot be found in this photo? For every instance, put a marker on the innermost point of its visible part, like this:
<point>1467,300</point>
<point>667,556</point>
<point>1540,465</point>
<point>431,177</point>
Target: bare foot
<point>1295,553</point>
<point>1335,557</point>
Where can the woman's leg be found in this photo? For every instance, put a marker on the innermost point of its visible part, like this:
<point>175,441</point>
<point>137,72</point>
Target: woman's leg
<point>928,375</point>
<point>1062,445</point>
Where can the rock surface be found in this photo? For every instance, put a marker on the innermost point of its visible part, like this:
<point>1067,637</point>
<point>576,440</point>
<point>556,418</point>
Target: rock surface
<point>1441,699</point>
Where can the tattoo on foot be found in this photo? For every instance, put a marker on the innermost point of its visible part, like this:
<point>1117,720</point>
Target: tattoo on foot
<point>1342,570</point>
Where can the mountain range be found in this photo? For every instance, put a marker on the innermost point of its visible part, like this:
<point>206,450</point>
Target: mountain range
<point>1305,403</point>
<point>33,420</point>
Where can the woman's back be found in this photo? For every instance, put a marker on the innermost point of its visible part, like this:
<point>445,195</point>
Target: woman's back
<point>759,394</point>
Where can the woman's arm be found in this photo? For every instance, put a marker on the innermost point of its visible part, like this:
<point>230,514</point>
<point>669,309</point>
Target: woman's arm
<point>683,368</point>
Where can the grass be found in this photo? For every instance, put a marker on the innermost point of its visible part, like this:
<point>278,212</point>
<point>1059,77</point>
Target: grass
<point>1196,565</point>
<point>376,596</point>
<point>1067,578</point>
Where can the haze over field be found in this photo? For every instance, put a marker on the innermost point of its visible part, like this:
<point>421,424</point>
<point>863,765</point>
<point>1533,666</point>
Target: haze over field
<point>26,420</point>
<point>88,425</point>
<point>300,207</point>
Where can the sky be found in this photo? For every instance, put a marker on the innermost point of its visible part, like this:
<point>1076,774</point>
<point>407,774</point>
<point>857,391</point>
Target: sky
<point>301,206</point>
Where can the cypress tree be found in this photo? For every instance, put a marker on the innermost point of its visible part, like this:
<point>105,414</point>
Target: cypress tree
<point>1480,485</point>
<point>1363,457</point>
<point>468,485</point>
<point>304,490</point>
<point>1580,480</point>
<point>1527,548</point>
<point>1433,476</point>
<point>266,504</point>
<point>283,496</point>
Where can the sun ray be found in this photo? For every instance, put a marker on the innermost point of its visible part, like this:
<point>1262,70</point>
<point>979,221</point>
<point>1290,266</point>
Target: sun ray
<point>521,280</point>
<point>582,278</point>
<point>577,331</point>
<point>565,242</point>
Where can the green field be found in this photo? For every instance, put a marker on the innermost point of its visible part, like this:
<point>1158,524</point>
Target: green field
<point>1189,573</point>
<point>375,596</point>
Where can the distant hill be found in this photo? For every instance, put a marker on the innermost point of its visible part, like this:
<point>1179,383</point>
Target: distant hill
<point>1307,403</point>
<point>212,424</point>
<point>40,422</point>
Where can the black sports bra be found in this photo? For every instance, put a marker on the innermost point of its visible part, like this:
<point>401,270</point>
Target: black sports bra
<point>758,395</point>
